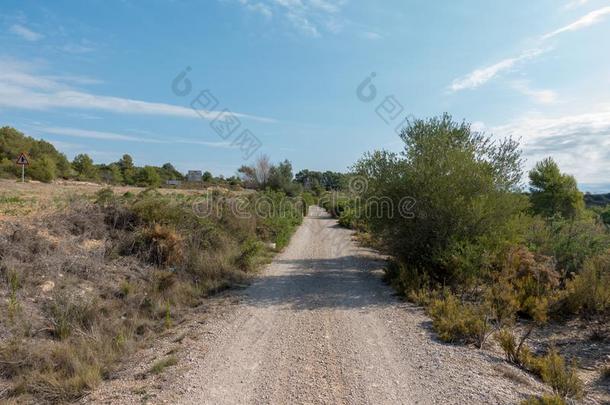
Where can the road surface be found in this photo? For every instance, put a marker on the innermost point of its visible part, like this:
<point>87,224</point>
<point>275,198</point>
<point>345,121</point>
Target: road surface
<point>320,327</point>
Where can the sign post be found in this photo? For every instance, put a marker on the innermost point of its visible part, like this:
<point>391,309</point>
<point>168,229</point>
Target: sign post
<point>22,160</point>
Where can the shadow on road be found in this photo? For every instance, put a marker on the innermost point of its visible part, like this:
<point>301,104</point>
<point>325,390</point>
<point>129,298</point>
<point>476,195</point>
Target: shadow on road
<point>345,282</point>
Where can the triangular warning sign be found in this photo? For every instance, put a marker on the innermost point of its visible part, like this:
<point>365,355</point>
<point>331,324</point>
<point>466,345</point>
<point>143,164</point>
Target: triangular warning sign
<point>22,160</point>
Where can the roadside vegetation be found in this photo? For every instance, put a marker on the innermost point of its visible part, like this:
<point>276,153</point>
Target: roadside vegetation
<point>84,286</point>
<point>491,262</point>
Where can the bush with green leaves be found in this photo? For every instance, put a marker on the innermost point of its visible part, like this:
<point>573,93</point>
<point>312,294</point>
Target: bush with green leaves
<point>463,185</point>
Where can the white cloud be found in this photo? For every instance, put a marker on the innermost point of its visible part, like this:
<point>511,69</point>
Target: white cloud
<point>481,76</point>
<point>84,133</point>
<point>310,17</point>
<point>574,4</point>
<point>371,35</point>
<point>25,33</point>
<point>301,23</point>
<point>542,96</point>
<point>258,7</point>
<point>592,18</point>
<point>570,139</point>
<point>117,137</point>
<point>20,88</point>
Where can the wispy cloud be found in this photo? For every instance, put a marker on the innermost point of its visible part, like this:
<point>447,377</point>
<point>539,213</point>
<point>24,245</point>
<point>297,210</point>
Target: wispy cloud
<point>303,24</point>
<point>575,3</point>
<point>118,137</point>
<point>257,7</point>
<point>309,17</point>
<point>89,134</point>
<point>567,138</point>
<point>371,35</point>
<point>25,33</point>
<point>592,18</point>
<point>21,88</point>
<point>481,76</point>
<point>541,96</point>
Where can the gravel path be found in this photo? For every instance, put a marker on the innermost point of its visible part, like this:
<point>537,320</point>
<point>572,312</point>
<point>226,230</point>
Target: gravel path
<point>320,327</point>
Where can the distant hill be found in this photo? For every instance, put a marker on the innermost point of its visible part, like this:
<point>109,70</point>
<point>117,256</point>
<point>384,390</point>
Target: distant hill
<point>597,200</point>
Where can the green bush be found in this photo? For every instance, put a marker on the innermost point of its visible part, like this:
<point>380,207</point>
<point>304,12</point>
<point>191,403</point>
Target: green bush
<point>462,185</point>
<point>251,251</point>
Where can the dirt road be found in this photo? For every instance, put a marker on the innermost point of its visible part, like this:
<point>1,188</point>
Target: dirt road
<point>320,327</point>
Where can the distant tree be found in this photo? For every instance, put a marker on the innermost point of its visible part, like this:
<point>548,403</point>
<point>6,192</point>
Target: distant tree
<point>309,179</point>
<point>169,172</point>
<point>332,180</point>
<point>256,175</point>
<point>43,169</point>
<point>262,167</point>
<point>234,181</point>
<point>84,168</point>
<point>554,193</point>
<point>281,178</point>
<point>148,177</point>
<point>207,177</point>
<point>248,176</point>
<point>128,170</point>
<point>64,168</point>
<point>111,173</point>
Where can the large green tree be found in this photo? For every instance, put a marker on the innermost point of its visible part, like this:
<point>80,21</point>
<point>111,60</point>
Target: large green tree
<point>553,193</point>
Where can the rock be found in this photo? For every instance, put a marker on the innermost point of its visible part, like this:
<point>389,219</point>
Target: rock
<point>47,286</point>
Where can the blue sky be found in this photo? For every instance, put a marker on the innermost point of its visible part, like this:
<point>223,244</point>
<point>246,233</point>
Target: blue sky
<point>96,77</point>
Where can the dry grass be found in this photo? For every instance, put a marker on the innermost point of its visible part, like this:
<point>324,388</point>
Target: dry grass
<point>160,365</point>
<point>86,283</point>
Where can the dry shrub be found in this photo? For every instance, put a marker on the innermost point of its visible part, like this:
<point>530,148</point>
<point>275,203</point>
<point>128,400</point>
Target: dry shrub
<point>458,322</point>
<point>81,218</point>
<point>23,243</point>
<point>162,246</point>
<point>551,368</point>
<point>562,378</point>
<point>516,353</point>
<point>68,314</point>
<point>163,281</point>
<point>57,371</point>
<point>533,279</point>
<point>588,293</point>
